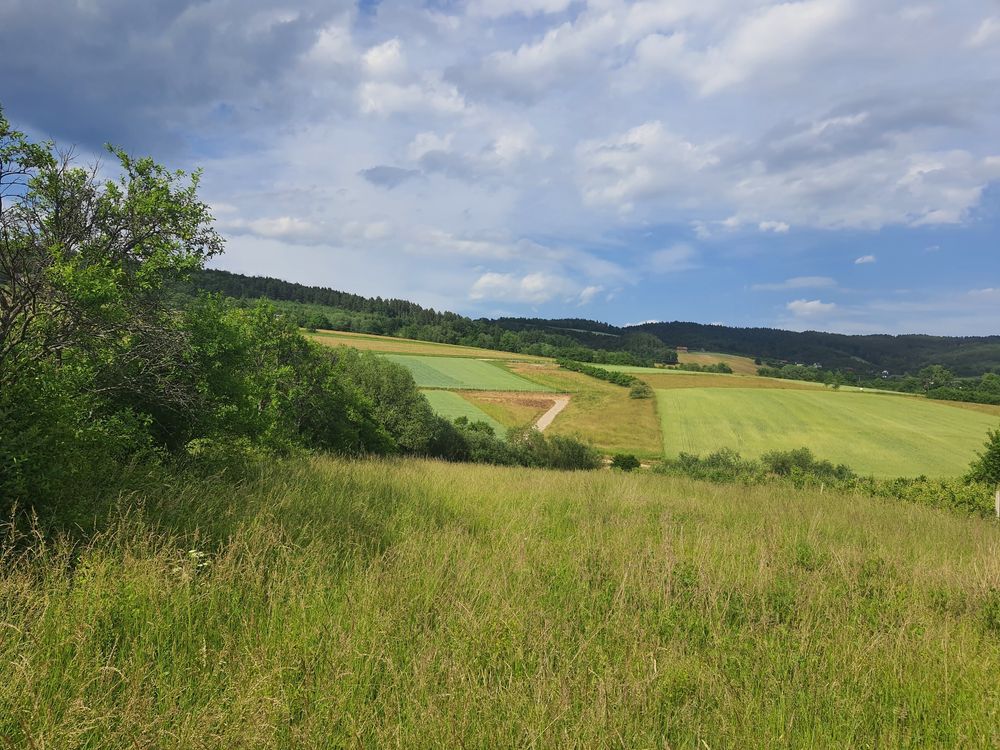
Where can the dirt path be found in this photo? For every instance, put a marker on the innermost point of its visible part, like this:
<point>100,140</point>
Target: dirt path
<point>546,419</point>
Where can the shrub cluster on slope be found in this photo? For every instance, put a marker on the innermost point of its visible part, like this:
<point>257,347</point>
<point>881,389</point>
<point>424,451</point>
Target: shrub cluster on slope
<point>800,468</point>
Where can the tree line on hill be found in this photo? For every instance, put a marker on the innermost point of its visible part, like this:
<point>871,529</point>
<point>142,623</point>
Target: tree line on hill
<point>103,364</point>
<point>592,341</point>
<point>322,308</point>
<point>934,381</point>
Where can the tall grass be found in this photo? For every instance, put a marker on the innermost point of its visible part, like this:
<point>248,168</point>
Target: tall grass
<point>417,604</point>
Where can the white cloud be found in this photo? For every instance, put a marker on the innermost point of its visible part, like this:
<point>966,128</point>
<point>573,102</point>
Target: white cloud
<point>770,40</point>
<point>864,259</point>
<point>809,308</point>
<point>532,288</point>
<point>589,293</point>
<point>986,33</point>
<point>680,257</point>
<point>798,282</point>
<point>778,227</point>
<point>500,8</point>
<point>646,161</point>
<point>385,60</point>
<point>422,143</point>
<point>429,96</point>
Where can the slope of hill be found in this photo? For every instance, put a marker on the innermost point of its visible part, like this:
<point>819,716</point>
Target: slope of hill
<point>971,355</point>
<point>423,605</point>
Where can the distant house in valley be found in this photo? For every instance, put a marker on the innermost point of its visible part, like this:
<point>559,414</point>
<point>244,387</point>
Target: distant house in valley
<point>681,349</point>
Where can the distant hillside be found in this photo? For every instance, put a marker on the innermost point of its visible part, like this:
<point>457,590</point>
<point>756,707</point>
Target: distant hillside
<point>971,355</point>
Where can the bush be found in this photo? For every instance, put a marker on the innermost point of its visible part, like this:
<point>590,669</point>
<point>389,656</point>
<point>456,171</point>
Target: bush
<point>625,462</point>
<point>641,389</point>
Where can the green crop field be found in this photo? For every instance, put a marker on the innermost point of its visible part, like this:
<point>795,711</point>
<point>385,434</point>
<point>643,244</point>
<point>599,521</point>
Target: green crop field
<point>451,406</point>
<point>460,373</point>
<point>419,604</point>
<point>872,433</point>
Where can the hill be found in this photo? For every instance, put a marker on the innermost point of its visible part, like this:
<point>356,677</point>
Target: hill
<point>321,307</point>
<point>418,604</point>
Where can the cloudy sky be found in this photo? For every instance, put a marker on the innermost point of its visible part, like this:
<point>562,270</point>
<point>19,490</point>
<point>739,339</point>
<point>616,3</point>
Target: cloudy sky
<point>818,164</point>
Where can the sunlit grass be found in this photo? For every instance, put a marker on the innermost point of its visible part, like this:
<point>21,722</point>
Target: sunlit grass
<point>417,604</point>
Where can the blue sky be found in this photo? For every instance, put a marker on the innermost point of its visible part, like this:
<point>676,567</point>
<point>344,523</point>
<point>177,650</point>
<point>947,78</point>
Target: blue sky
<point>819,164</point>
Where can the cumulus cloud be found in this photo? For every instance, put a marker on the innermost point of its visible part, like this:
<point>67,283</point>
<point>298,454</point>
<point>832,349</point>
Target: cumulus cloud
<point>527,145</point>
<point>532,288</point>
<point>809,308</point>
<point>864,259</point>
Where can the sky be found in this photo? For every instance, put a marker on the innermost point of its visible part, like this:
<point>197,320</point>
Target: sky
<point>812,165</point>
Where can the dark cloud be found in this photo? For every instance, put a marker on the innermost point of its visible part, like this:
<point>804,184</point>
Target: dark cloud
<point>851,129</point>
<point>388,177</point>
<point>145,74</point>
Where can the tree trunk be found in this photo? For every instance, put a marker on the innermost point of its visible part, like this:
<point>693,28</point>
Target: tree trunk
<point>997,502</point>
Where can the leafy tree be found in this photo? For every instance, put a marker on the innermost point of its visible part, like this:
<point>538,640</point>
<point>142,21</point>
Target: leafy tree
<point>986,467</point>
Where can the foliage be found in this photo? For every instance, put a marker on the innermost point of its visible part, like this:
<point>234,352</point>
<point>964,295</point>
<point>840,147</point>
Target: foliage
<point>719,367</point>
<point>641,389</point>
<point>612,376</point>
<point>625,462</point>
<point>321,308</point>
<point>800,468</point>
<point>986,467</point>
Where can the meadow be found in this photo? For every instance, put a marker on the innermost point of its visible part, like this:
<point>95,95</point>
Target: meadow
<point>462,374</point>
<point>451,405</point>
<point>740,365</point>
<point>872,433</point>
<point>600,412</point>
<point>417,604</point>
<point>394,345</point>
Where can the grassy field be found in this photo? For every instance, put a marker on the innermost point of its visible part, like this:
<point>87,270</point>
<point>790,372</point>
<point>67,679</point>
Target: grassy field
<point>458,373</point>
<point>451,405</point>
<point>513,409</point>
<point>424,605</point>
<point>740,365</point>
<point>872,433</point>
<point>600,412</point>
<point>392,345</point>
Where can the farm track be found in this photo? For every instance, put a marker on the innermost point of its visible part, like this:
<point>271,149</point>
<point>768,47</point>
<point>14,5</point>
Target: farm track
<point>546,419</point>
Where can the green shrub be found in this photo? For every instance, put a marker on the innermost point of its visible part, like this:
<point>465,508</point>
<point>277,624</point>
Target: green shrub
<point>625,462</point>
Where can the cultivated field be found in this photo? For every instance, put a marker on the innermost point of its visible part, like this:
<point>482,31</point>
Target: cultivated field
<point>740,365</point>
<point>425,605</point>
<point>601,413</point>
<point>872,433</point>
<point>393,345</point>
<point>451,405</point>
<point>459,373</point>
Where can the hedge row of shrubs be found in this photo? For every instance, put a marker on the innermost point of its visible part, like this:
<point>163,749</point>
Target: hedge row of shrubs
<point>801,469</point>
<point>638,388</point>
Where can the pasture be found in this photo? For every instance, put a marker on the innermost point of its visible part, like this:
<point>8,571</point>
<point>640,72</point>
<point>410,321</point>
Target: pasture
<point>393,345</point>
<point>600,412</point>
<point>872,433</point>
<point>420,604</point>
<point>740,365</point>
<point>451,406</point>
<point>460,373</point>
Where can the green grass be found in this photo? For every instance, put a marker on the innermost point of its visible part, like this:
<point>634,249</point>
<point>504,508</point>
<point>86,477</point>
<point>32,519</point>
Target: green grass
<point>877,434</point>
<point>463,374</point>
<point>425,605</point>
<point>451,406</point>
